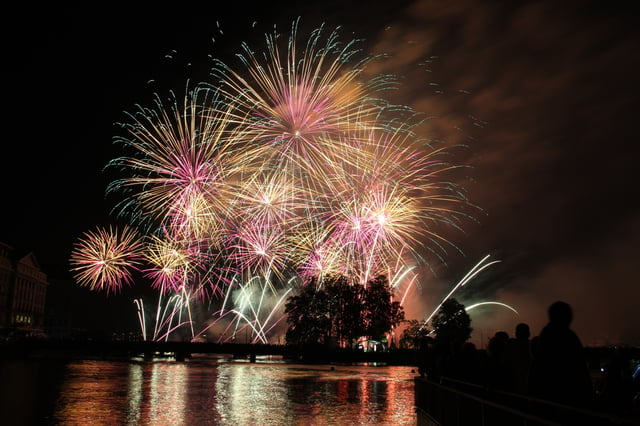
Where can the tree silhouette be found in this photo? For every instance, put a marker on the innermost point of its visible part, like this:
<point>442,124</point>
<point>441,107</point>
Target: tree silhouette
<point>452,324</point>
<point>341,311</point>
<point>414,334</point>
<point>380,314</point>
<point>346,310</point>
<point>308,316</point>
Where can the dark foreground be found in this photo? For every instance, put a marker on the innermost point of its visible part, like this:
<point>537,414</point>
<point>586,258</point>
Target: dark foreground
<point>453,402</point>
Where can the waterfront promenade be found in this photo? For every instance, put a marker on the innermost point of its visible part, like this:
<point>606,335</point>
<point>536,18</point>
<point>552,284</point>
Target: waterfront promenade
<point>450,402</point>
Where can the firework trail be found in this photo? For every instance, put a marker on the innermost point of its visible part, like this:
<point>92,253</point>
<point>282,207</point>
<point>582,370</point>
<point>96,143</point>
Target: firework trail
<point>256,304</point>
<point>504,305</point>
<point>473,272</point>
<point>141,317</point>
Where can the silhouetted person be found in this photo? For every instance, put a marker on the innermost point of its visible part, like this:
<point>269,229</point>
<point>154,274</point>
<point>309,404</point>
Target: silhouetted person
<point>465,364</point>
<point>450,358</point>
<point>559,371</point>
<point>473,364</point>
<point>427,358</point>
<point>497,372</point>
<point>502,335</point>
<point>519,359</point>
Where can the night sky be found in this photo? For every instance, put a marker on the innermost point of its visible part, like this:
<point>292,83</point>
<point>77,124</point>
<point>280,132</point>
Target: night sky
<point>544,96</point>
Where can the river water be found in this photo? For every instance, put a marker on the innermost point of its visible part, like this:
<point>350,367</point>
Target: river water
<point>203,390</point>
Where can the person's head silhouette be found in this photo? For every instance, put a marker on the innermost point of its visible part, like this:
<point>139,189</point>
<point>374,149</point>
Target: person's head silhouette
<point>560,314</point>
<point>522,331</point>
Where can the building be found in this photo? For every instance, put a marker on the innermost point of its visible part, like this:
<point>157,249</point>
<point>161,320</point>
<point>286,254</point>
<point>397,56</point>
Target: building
<point>23,289</point>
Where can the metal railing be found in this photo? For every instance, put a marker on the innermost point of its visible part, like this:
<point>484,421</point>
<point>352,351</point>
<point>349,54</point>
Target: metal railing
<point>450,402</point>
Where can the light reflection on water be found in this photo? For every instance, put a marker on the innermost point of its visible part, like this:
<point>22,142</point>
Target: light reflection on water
<point>206,390</point>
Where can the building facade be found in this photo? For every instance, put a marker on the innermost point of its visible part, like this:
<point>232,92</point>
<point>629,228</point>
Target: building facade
<point>23,290</point>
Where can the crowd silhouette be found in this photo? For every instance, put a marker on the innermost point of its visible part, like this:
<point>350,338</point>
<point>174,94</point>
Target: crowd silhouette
<point>551,366</point>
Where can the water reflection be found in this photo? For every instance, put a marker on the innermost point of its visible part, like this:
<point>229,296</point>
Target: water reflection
<point>300,394</point>
<point>167,390</point>
<point>92,390</point>
<point>208,390</point>
<point>134,394</point>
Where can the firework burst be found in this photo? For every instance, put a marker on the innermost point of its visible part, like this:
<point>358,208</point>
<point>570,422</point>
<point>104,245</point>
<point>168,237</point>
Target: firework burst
<point>291,95</point>
<point>291,167</point>
<point>104,259</point>
<point>180,164</point>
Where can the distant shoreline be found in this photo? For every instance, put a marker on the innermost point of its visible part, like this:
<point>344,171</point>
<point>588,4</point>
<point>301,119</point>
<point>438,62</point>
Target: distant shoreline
<point>315,354</point>
<point>69,349</point>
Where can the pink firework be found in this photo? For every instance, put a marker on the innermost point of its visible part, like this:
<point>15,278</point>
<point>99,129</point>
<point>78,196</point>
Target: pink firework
<point>177,265</point>
<point>270,197</point>
<point>180,163</point>
<point>259,247</point>
<point>294,101</point>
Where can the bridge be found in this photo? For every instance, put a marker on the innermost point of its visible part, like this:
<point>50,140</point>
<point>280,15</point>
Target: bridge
<point>106,349</point>
<point>115,349</point>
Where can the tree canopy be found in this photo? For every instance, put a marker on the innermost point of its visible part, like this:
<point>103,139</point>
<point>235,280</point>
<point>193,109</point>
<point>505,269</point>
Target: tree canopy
<point>308,316</point>
<point>341,311</point>
<point>452,324</point>
<point>414,334</point>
